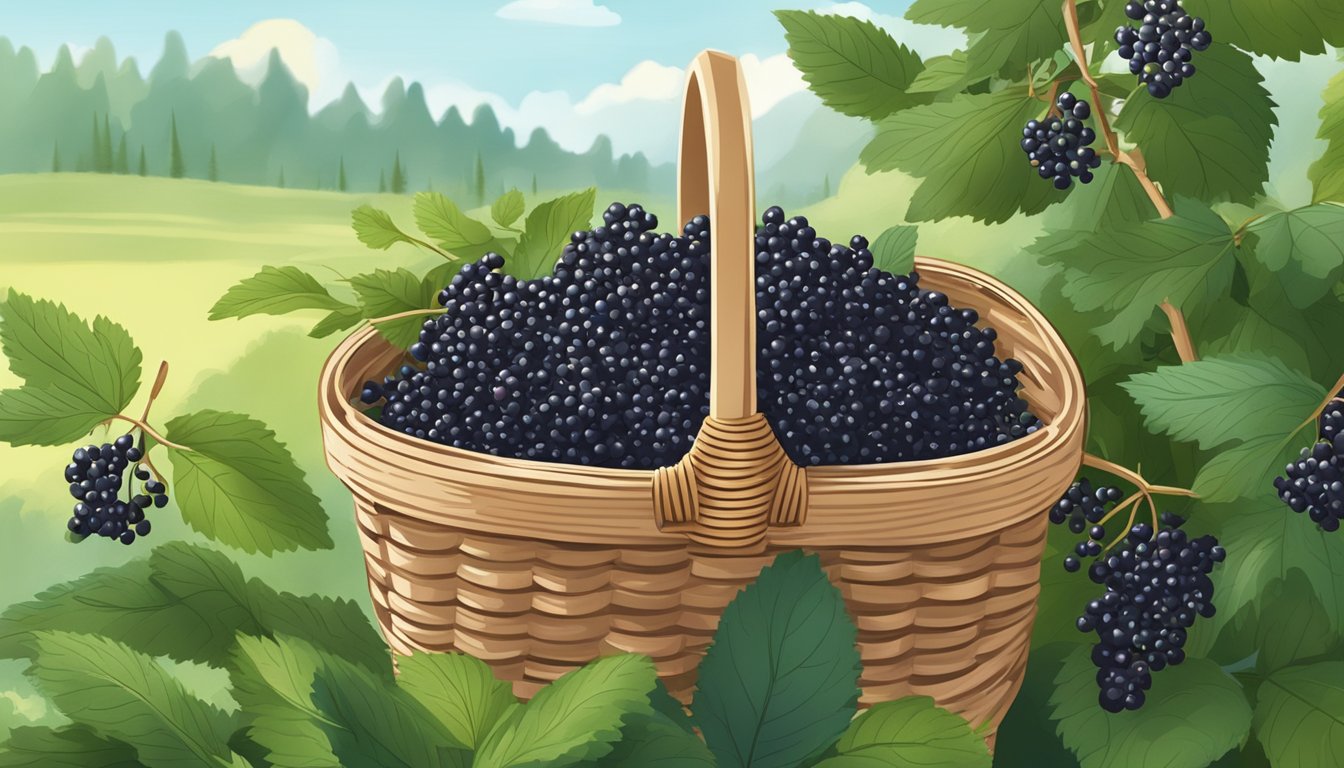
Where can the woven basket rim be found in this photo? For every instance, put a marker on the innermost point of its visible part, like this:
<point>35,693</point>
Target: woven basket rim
<point>1054,434</point>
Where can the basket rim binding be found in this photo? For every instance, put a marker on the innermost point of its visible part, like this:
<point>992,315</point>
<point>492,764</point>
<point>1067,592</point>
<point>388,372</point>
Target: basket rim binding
<point>715,176</point>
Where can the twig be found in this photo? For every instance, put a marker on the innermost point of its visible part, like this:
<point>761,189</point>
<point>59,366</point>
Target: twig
<point>148,430</point>
<point>1180,332</point>
<point>156,389</point>
<point>1096,462</point>
<point>401,315</point>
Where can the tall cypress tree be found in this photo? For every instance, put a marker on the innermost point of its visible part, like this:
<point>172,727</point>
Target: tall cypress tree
<point>826,187</point>
<point>534,185</point>
<point>281,182</point>
<point>56,157</point>
<point>176,167</point>
<point>340,178</point>
<point>143,168</point>
<point>398,176</point>
<point>96,146</point>
<point>479,180</point>
<point>214,164</point>
<point>122,163</point>
<point>382,181</point>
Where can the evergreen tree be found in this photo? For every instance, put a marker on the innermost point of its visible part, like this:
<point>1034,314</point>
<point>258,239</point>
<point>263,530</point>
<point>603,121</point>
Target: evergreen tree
<point>143,168</point>
<point>534,185</point>
<point>56,158</point>
<point>340,178</point>
<point>826,187</point>
<point>123,163</point>
<point>176,167</point>
<point>478,182</point>
<point>281,182</point>
<point>105,149</point>
<point>398,176</point>
<point>214,164</point>
<point>382,181</point>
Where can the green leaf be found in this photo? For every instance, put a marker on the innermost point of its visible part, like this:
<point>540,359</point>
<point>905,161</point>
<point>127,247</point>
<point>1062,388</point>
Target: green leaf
<point>383,292</point>
<point>966,150</point>
<point>941,73</point>
<point>653,741</point>
<point>42,416</point>
<point>273,684</point>
<point>1284,29</point>
<point>1114,200</point>
<point>1304,247</point>
<point>127,696</point>
<point>1218,400</point>
<point>894,249</point>
<point>64,361</point>
<point>1012,33</point>
<point>240,486</point>
<point>1299,716</point>
<point>369,721</point>
<point>1244,470</point>
<point>1194,714</point>
<point>1026,737</point>
<point>507,208</point>
<point>374,228</point>
<point>70,747</point>
<point>664,704</point>
<point>125,604</point>
<point>1128,272</point>
<point>339,320</point>
<point>1327,172</point>
<point>459,690</point>
<point>910,731</point>
<point>780,682</point>
<point>336,625</point>
<point>1210,142</point>
<point>1292,624</point>
<point>575,718</point>
<point>274,291</point>
<point>1265,541</point>
<point>853,65</point>
<point>1236,329</point>
<point>454,231</point>
<point>546,232</point>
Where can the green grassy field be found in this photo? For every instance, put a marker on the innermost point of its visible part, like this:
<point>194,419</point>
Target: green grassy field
<point>154,254</point>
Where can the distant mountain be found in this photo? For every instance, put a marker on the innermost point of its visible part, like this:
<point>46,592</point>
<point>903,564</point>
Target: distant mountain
<point>800,144</point>
<point>103,115</point>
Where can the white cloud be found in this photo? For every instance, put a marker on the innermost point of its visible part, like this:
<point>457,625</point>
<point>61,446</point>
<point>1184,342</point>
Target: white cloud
<point>313,59</point>
<point>646,81</point>
<point>770,81</point>
<point>926,39</point>
<point>572,13</point>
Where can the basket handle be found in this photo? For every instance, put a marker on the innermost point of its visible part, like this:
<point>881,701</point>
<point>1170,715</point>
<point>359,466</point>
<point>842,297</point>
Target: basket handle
<point>736,481</point>
<point>716,178</point>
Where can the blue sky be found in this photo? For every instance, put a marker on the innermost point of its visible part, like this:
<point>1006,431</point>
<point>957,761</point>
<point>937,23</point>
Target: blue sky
<point>428,40</point>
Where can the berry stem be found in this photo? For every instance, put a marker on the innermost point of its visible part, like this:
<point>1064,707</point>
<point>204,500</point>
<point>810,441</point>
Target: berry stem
<point>148,430</point>
<point>1147,488</point>
<point>1080,53</point>
<point>432,247</point>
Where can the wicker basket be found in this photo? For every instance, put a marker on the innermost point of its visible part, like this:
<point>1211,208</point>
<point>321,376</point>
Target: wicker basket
<point>537,568</point>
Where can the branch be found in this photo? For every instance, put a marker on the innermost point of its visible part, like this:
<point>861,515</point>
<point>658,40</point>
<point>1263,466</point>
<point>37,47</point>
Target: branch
<point>1180,332</point>
<point>1131,159</point>
<point>148,430</point>
<point>1146,488</point>
<point>157,388</point>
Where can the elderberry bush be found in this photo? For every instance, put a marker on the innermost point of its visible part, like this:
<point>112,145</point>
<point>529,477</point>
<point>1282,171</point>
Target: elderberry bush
<point>96,478</point>
<point>1315,482</point>
<point>1160,49</point>
<point>605,361</point>
<point>1083,508</point>
<point>1156,586</point>
<point>1058,147</point>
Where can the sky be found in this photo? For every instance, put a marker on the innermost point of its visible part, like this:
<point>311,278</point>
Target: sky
<point>576,67</point>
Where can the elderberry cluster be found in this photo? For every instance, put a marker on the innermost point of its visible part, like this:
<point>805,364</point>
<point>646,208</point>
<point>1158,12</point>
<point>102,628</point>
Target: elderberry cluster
<point>1315,482</point>
<point>95,475</point>
<point>605,362</point>
<point>1083,507</point>
<point>1159,51</point>
<point>1156,587</point>
<point>1058,147</point>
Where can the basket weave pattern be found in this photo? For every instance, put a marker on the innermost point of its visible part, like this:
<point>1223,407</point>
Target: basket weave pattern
<point>537,568</point>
